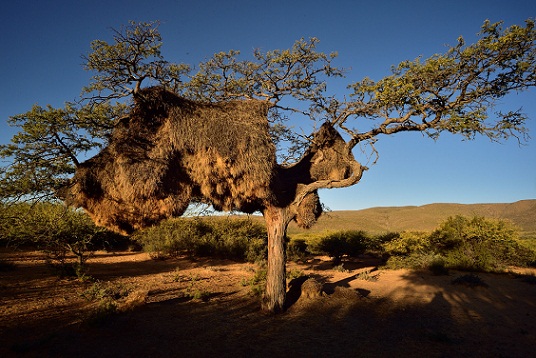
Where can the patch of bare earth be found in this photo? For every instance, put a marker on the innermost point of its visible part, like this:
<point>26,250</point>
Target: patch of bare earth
<point>204,308</point>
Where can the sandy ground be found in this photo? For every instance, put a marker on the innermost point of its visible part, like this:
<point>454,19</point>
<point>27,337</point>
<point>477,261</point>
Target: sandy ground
<point>205,308</point>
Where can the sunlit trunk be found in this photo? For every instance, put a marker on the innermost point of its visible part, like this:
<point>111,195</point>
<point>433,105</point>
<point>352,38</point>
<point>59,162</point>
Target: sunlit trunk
<point>277,220</point>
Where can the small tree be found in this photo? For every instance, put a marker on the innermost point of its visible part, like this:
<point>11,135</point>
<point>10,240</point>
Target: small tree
<point>56,230</point>
<point>450,92</point>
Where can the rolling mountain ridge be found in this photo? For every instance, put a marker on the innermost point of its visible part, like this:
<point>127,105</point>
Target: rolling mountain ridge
<point>421,218</point>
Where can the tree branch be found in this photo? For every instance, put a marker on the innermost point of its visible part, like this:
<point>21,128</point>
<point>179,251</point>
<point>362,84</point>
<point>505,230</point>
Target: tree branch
<point>66,149</point>
<point>354,178</point>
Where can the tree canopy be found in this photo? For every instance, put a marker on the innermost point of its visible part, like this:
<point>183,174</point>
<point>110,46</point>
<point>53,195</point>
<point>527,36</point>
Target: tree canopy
<point>454,92</point>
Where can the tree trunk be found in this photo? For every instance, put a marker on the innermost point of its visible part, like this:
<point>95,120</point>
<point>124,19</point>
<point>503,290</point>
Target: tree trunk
<point>277,220</point>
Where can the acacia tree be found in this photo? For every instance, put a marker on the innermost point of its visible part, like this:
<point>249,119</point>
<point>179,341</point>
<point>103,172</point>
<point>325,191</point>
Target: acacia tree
<point>451,92</point>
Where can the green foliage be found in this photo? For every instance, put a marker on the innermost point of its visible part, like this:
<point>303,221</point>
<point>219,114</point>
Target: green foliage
<point>109,299</point>
<point>529,241</point>
<point>481,244</point>
<point>258,282</point>
<point>100,290</point>
<point>296,72</point>
<point>200,295</point>
<point>454,91</point>
<point>240,239</point>
<point>336,245</point>
<point>172,237</point>
<point>473,244</point>
<point>293,274</point>
<point>297,249</point>
<point>43,155</point>
<point>367,275</point>
<point>54,229</point>
<point>133,56</point>
<point>446,92</point>
<point>408,242</point>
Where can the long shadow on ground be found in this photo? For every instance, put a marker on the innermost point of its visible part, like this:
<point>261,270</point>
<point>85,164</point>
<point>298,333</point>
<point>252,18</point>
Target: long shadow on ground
<point>451,321</point>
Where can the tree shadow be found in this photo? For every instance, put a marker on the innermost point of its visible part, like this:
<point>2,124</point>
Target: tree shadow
<point>294,291</point>
<point>403,314</point>
<point>351,264</point>
<point>147,266</point>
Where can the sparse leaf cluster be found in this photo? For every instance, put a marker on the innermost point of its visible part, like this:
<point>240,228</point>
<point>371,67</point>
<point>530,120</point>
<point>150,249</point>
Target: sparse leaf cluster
<point>45,153</point>
<point>451,92</point>
<point>134,57</point>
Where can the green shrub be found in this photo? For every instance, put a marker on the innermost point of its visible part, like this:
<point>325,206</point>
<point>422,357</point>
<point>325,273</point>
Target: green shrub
<point>336,245</point>
<point>408,243</point>
<point>471,244</point>
<point>367,275</point>
<point>257,283</point>
<point>480,244</point>
<point>529,241</point>
<point>297,250</point>
<point>109,299</point>
<point>375,244</point>
<point>257,250</point>
<point>239,239</point>
<point>417,261</point>
<point>293,274</point>
<point>56,230</point>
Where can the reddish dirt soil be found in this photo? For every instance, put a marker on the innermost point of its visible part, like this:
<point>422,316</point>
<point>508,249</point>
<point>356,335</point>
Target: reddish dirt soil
<point>204,308</point>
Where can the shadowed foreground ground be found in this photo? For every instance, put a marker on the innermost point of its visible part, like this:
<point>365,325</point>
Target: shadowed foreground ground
<point>376,313</point>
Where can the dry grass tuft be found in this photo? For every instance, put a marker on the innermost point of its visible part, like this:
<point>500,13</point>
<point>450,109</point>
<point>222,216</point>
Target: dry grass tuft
<point>311,288</point>
<point>134,300</point>
<point>345,293</point>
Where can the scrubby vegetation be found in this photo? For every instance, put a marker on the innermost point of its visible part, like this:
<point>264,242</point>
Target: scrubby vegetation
<point>470,244</point>
<point>56,230</point>
<point>339,244</point>
<point>462,243</point>
<point>475,244</point>
<point>232,238</point>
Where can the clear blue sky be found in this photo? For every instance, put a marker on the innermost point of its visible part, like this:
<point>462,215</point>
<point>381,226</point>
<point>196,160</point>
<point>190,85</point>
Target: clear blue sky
<point>42,43</point>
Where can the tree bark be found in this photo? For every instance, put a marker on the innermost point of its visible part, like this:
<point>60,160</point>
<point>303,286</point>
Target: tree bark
<point>277,220</point>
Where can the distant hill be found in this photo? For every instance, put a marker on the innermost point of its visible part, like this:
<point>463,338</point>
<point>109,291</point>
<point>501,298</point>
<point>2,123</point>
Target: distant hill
<point>421,218</point>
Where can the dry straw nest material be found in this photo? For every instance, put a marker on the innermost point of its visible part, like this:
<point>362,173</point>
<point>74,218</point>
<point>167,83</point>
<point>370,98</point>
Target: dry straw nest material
<point>171,150</point>
<point>311,288</point>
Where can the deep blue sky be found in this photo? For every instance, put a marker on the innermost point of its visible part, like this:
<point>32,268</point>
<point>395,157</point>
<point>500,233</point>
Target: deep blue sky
<point>42,43</point>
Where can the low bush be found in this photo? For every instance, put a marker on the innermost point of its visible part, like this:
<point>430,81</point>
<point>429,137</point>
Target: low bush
<point>480,244</point>
<point>470,244</point>
<point>257,283</point>
<point>239,239</point>
<point>339,244</point>
<point>56,230</point>
<point>407,243</point>
<point>297,250</point>
<point>109,298</point>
